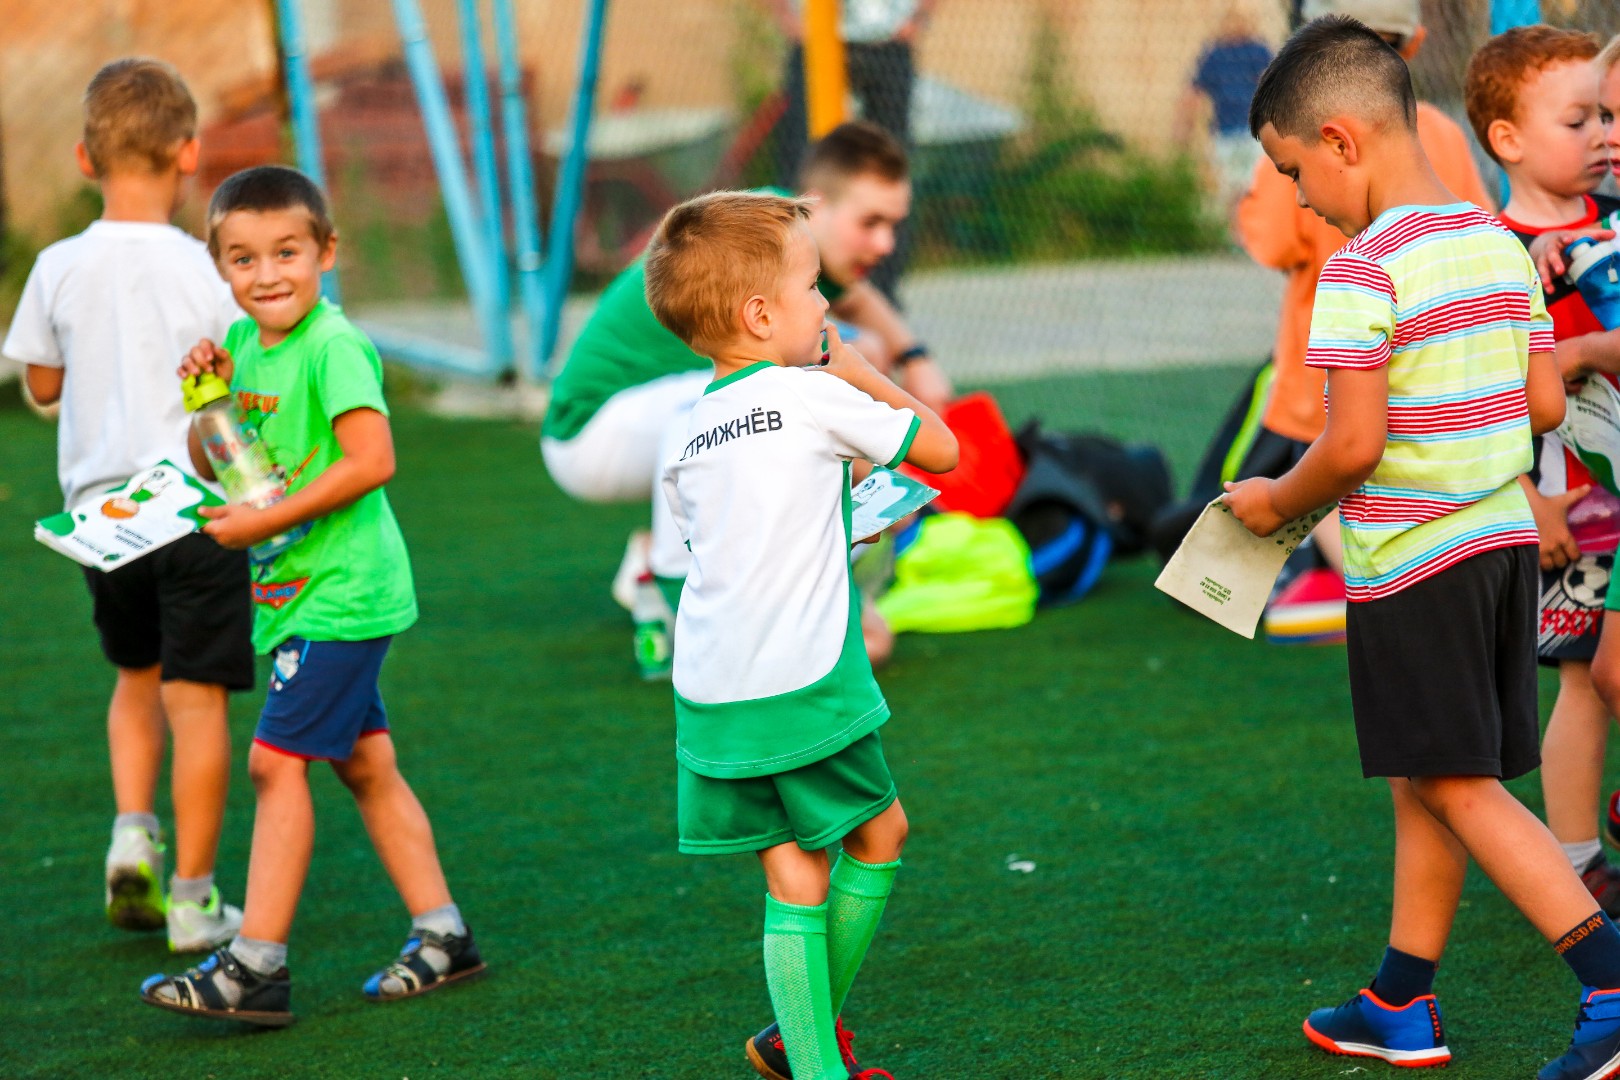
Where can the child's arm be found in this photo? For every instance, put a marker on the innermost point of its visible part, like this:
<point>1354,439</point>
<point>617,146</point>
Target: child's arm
<point>1586,354</point>
<point>1547,251</point>
<point>1558,547</point>
<point>934,449</point>
<point>42,384</point>
<point>866,307</point>
<point>1348,451</point>
<point>1544,393</point>
<point>367,464</point>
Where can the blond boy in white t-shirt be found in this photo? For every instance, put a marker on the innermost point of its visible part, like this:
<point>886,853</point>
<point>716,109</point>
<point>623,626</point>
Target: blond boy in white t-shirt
<point>102,321</point>
<point>776,708</point>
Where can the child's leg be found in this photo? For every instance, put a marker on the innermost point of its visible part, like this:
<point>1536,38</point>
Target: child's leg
<point>1430,864</point>
<point>796,960</point>
<point>397,824</point>
<point>201,773</point>
<point>135,739</point>
<point>1572,756</point>
<point>1512,846</point>
<point>283,838</point>
<point>858,891</point>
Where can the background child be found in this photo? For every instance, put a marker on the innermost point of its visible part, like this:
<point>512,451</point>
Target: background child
<point>327,608</point>
<point>100,321</point>
<point>1438,349</point>
<point>1533,102</point>
<point>776,708</point>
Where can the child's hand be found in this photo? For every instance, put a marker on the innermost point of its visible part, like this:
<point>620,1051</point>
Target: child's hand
<point>1547,251</point>
<point>1250,501</point>
<point>236,527</point>
<point>845,362</point>
<point>206,356</point>
<point>1558,547</point>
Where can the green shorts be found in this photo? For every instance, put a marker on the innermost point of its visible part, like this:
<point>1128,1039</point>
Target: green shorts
<point>815,805</point>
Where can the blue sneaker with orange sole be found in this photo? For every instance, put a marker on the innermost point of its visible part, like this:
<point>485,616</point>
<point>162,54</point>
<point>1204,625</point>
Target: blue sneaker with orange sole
<point>1410,1036</point>
<point>1594,1051</point>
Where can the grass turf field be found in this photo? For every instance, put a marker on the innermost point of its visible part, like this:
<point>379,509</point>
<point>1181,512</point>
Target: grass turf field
<point>1209,864</point>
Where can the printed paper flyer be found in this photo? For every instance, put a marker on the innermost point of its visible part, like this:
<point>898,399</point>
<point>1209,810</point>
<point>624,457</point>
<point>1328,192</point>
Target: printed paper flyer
<point>154,507</point>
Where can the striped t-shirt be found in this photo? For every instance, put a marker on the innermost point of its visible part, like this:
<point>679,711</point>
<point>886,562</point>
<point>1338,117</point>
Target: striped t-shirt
<point>1450,301</point>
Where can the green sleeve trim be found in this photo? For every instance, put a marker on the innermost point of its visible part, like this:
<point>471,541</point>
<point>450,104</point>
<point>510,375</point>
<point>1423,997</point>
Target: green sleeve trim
<point>905,444</point>
<point>741,373</point>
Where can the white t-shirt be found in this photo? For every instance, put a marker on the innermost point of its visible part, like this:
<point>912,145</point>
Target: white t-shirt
<point>870,21</point>
<point>770,672</point>
<point>116,307</point>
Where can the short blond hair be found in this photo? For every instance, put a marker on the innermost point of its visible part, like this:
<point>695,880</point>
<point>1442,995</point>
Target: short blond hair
<point>713,252</point>
<point>137,115</point>
<point>1609,55</point>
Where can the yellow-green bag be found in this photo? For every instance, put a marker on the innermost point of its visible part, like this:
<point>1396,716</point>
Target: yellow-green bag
<point>961,573</point>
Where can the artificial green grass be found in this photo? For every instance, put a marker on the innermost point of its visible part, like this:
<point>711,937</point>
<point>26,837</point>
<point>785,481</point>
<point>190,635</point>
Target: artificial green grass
<point>1208,863</point>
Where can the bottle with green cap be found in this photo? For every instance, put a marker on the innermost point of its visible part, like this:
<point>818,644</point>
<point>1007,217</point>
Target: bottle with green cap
<point>240,459</point>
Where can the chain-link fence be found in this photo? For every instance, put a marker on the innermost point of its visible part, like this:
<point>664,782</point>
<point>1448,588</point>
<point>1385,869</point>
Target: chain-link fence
<point>1071,180</point>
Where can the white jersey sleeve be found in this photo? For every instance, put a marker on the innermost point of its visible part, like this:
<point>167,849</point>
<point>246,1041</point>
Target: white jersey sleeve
<point>32,338</point>
<point>858,425</point>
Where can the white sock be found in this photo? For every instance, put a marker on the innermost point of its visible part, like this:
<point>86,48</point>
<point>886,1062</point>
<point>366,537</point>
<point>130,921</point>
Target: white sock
<point>1581,854</point>
<point>263,958</point>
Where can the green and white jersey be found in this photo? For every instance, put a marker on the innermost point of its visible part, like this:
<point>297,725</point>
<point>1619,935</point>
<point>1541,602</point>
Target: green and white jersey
<point>770,669</point>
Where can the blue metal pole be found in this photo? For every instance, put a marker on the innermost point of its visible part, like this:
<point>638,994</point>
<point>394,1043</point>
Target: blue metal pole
<point>480,127</point>
<point>571,181</point>
<point>305,117</point>
<point>520,185</point>
<point>465,227</point>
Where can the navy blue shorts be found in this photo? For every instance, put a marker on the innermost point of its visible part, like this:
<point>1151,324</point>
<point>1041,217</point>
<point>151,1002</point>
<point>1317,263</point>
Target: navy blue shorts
<point>323,697</point>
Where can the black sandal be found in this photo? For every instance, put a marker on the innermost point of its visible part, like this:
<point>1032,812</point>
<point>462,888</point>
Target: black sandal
<point>264,1000</point>
<point>416,975</point>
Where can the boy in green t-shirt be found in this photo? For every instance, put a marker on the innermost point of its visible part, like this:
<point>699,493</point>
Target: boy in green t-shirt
<point>776,710</point>
<point>326,607</point>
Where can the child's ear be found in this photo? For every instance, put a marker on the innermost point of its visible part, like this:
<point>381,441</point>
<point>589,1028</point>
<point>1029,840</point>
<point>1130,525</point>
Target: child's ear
<point>1341,139</point>
<point>1503,137</point>
<point>186,157</point>
<point>329,253</point>
<point>82,156</point>
<point>756,317</point>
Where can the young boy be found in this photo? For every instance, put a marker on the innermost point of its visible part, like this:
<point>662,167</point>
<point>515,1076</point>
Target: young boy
<point>776,710</point>
<point>326,608</point>
<point>100,321</point>
<point>1279,233</point>
<point>1438,349</point>
<point>1532,96</point>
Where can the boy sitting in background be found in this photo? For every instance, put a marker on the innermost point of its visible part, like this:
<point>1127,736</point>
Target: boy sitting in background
<point>1533,101</point>
<point>99,324</point>
<point>1438,348</point>
<point>327,607</point>
<point>776,710</point>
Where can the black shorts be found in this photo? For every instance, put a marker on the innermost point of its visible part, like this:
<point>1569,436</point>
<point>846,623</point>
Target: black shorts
<point>1443,673</point>
<point>187,606</point>
<point>1572,609</point>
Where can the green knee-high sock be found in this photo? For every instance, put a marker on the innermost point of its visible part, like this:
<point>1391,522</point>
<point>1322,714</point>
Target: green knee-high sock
<point>854,905</point>
<point>796,972</point>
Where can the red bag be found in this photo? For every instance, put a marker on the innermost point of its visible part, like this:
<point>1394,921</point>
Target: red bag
<point>989,468</point>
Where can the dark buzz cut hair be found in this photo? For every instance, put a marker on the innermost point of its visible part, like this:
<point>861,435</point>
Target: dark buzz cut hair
<point>858,148</point>
<point>266,188</point>
<point>1333,65</point>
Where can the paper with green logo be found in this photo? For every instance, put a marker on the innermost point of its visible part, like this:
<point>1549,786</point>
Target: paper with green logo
<point>882,499</point>
<point>156,506</point>
<point>1225,572</point>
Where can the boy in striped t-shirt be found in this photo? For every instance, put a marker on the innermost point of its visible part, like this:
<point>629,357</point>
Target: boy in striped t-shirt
<point>1438,353</point>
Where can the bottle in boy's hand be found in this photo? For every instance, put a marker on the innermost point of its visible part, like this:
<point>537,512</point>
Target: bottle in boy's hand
<point>240,459</point>
<point>1594,269</point>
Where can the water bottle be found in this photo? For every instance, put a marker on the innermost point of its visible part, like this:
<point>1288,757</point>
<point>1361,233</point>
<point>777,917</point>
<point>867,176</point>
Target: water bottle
<point>1594,269</point>
<point>240,459</point>
<point>655,657</point>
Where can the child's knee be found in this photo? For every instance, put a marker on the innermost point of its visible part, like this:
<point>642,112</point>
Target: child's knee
<point>1606,679</point>
<point>882,838</point>
<point>371,764</point>
<point>1447,797</point>
<point>268,767</point>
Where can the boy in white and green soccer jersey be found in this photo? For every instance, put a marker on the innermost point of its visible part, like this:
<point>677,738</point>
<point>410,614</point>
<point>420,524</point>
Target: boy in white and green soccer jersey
<point>776,708</point>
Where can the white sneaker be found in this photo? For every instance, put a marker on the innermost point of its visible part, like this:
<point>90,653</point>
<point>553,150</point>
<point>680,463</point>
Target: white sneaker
<point>134,880</point>
<point>195,927</point>
<point>632,567</point>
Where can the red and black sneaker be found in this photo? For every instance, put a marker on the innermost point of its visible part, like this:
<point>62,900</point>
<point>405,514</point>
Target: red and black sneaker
<point>1612,825</point>
<point>1602,880</point>
<point>769,1057</point>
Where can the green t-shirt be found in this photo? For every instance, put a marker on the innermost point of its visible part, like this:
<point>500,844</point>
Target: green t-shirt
<point>623,345</point>
<point>349,579</point>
